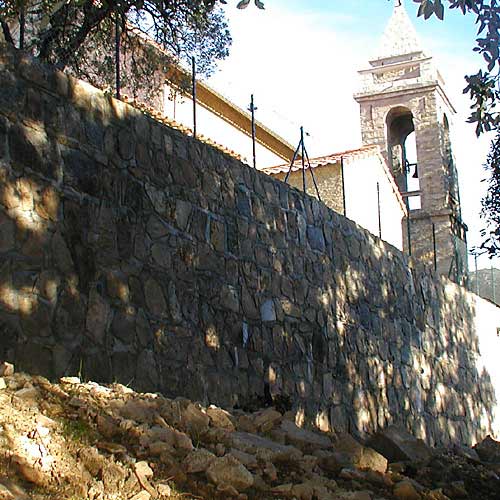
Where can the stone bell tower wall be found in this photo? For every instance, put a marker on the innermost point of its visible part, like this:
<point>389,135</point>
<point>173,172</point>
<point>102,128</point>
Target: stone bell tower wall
<point>437,177</point>
<point>423,105</point>
<point>402,91</point>
<point>130,252</point>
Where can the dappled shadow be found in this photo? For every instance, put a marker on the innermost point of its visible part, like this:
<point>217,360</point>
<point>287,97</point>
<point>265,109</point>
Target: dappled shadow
<point>133,253</point>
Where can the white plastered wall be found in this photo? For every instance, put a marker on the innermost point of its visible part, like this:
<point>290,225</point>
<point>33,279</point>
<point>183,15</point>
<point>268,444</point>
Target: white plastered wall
<point>218,130</point>
<point>361,175</point>
<point>488,331</point>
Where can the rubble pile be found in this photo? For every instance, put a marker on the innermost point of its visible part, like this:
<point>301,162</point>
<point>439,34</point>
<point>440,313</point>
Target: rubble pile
<point>76,440</point>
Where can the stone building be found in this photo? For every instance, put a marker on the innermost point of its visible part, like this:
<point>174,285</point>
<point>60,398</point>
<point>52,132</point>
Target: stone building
<point>411,203</point>
<point>405,112</point>
<point>403,93</point>
<point>132,253</point>
<point>410,200</point>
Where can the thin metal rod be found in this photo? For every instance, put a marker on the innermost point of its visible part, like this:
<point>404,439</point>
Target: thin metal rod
<point>312,174</point>
<point>343,184</point>
<point>292,162</point>
<point>408,229</point>
<point>22,27</point>
<point>193,70</point>
<point>117,56</point>
<point>304,187</point>
<point>452,264</point>
<point>477,274</point>
<point>378,211</point>
<point>494,295</point>
<point>434,246</point>
<point>252,110</point>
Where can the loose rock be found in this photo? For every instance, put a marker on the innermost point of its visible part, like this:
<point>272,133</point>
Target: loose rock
<point>228,471</point>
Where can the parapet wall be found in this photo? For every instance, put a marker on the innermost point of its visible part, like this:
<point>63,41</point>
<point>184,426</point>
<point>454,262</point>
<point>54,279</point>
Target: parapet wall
<point>132,253</point>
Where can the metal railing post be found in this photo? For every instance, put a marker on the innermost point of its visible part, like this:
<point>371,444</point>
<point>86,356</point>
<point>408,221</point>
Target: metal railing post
<point>493,288</point>
<point>408,231</point>
<point>304,187</point>
<point>252,110</point>
<point>379,214</point>
<point>343,184</point>
<point>477,274</point>
<point>117,56</point>
<point>434,245</point>
<point>193,70</point>
<point>22,27</point>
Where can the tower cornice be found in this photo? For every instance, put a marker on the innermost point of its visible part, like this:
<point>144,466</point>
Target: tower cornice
<point>414,89</point>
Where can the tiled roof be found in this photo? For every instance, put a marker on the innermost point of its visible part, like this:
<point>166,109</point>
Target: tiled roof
<point>322,161</point>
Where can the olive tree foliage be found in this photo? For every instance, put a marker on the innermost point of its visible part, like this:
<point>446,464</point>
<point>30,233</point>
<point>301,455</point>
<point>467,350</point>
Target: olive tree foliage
<point>80,36</point>
<point>491,202</point>
<point>483,88</point>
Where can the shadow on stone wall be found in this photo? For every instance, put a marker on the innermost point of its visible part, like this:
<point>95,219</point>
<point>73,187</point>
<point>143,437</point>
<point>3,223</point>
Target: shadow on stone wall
<point>132,253</point>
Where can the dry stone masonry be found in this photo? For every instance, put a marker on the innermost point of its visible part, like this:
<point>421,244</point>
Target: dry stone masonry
<point>132,253</point>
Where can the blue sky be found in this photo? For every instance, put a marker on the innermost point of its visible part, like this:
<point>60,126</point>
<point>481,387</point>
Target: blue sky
<point>300,58</point>
<point>366,15</point>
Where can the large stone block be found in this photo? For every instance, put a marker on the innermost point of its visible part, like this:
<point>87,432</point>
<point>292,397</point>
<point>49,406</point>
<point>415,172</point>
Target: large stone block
<point>81,172</point>
<point>7,233</point>
<point>396,444</point>
<point>155,298</point>
<point>3,136</point>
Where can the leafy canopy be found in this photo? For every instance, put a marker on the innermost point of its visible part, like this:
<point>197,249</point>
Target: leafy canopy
<point>79,34</point>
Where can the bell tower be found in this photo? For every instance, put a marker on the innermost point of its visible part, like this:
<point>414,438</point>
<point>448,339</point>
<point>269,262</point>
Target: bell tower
<point>406,111</point>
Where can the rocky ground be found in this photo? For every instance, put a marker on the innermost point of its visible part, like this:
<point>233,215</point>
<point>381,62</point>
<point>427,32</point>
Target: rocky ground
<point>76,440</point>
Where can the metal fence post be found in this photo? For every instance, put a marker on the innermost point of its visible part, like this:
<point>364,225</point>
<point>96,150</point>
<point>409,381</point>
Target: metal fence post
<point>434,245</point>
<point>378,209</point>
<point>193,71</point>
<point>117,56</point>
<point>477,274</point>
<point>493,288</point>
<point>408,231</point>
<point>252,110</point>
<point>22,27</point>
<point>343,184</point>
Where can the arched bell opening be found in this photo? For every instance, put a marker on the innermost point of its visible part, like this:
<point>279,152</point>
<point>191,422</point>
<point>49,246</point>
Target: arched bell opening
<point>402,152</point>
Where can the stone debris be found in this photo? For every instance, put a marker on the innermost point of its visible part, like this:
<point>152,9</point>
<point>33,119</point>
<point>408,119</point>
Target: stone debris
<point>229,471</point>
<point>405,490</point>
<point>96,442</point>
<point>303,439</point>
<point>395,443</point>
<point>488,450</point>
<point>198,461</point>
<point>6,369</point>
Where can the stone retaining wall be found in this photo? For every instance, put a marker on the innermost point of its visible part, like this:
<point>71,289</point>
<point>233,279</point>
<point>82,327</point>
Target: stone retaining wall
<point>132,253</point>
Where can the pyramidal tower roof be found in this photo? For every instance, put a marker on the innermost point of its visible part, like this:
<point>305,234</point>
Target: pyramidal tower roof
<point>400,37</point>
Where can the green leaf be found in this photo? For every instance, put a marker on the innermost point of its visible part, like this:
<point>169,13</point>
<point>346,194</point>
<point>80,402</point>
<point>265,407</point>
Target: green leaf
<point>439,10</point>
<point>243,4</point>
